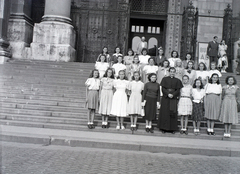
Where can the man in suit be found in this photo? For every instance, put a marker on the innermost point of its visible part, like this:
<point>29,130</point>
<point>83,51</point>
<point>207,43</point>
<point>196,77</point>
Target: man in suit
<point>212,50</point>
<point>141,45</point>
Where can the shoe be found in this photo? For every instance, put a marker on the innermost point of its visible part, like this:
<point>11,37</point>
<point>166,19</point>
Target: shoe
<point>135,128</point>
<point>92,125</point>
<point>209,133</point>
<point>103,126</point>
<point>213,133</point>
<point>151,130</point>
<point>186,132</point>
<point>89,126</point>
<point>181,131</point>
<point>147,129</point>
<point>132,128</point>
<point>118,127</point>
<point>122,127</point>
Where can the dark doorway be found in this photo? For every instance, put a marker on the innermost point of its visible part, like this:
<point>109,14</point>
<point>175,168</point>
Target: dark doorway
<point>152,30</point>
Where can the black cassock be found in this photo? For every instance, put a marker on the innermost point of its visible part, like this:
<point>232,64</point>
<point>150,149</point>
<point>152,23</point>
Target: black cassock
<point>168,112</point>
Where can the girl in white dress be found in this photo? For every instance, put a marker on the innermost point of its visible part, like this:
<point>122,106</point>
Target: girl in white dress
<point>185,104</point>
<point>143,62</point>
<point>128,60</point>
<point>202,74</point>
<point>106,95</point>
<point>102,66</point>
<point>134,106</point>
<point>179,69</point>
<point>213,70</point>
<point>190,72</point>
<point>135,66</point>
<point>119,66</point>
<point>173,58</point>
<point>93,85</point>
<point>119,101</point>
<point>150,68</point>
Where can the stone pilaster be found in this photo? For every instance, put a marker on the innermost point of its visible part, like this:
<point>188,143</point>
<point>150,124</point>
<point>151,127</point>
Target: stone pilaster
<point>5,53</point>
<point>54,37</point>
<point>173,32</point>
<point>20,27</point>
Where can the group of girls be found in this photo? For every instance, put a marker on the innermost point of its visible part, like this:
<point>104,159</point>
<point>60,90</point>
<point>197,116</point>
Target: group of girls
<point>117,77</point>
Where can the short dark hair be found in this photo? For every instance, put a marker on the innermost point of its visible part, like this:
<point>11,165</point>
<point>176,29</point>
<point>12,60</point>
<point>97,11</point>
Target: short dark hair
<point>172,68</point>
<point>133,78</point>
<point>130,49</point>
<point>190,62</point>
<point>173,52</point>
<point>234,79</point>
<point>136,56</point>
<point>215,37</point>
<point>99,60</point>
<point>121,57</point>
<point>210,80</point>
<point>105,74</point>
<point>205,67</point>
<point>103,48</point>
<point>194,84</point>
<point>150,75</point>
<point>144,49</point>
<point>185,76</point>
<point>167,62</point>
<point>125,77</point>
<point>152,59</point>
<point>189,54</point>
<point>116,48</point>
<point>91,74</point>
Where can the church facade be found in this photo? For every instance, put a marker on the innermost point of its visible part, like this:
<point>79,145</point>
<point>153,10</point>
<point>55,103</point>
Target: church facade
<point>77,30</point>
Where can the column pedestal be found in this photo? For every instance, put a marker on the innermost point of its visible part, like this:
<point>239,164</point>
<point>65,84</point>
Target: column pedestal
<point>5,52</point>
<point>54,38</point>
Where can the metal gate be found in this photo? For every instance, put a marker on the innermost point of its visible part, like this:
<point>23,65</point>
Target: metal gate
<point>189,31</point>
<point>99,24</point>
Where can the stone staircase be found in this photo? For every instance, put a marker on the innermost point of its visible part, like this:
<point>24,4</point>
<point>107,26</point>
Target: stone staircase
<point>47,94</point>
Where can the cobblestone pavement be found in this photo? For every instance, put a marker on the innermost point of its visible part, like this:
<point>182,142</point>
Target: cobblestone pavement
<point>20,158</point>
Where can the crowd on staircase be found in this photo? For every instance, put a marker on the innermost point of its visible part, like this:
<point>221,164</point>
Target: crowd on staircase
<point>137,85</point>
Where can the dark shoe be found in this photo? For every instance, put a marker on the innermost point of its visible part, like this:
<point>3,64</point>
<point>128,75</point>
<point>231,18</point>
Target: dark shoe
<point>92,125</point>
<point>132,128</point>
<point>147,129</point>
<point>89,126</point>
<point>209,133</point>
<point>151,130</point>
<point>213,133</point>
<point>103,126</point>
<point>181,131</point>
<point>186,132</point>
<point>135,128</point>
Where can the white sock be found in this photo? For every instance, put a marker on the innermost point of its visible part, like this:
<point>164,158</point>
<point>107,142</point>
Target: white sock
<point>89,123</point>
<point>208,129</point>
<point>146,126</point>
<point>197,130</point>
<point>211,130</point>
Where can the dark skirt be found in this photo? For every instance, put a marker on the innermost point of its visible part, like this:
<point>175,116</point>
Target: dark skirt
<point>167,120</point>
<point>150,108</point>
<point>198,111</point>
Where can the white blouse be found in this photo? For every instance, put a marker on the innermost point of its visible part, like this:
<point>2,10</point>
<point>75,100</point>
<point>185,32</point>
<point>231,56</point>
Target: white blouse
<point>117,67</point>
<point>150,69</point>
<point>197,95</point>
<point>214,71</point>
<point>143,59</point>
<point>213,88</point>
<point>92,83</point>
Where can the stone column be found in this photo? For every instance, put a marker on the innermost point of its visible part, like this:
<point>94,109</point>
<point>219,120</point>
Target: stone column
<point>235,55</point>
<point>20,28</point>
<point>5,53</point>
<point>54,37</point>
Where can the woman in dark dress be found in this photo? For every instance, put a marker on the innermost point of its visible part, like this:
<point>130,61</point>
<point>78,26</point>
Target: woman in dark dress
<point>160,58</point>
<point>150,100</point>
<point>168,112</point>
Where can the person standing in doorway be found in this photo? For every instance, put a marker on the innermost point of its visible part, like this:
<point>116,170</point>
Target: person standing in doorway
<point>212,50</point>
<point>141,45</point>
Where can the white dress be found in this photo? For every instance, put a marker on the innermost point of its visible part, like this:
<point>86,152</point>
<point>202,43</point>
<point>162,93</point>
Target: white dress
<point>185,103</point>
<point>101,67</point>
<point>119,101</point>
<point>134,105</point>
<point>118,67</point>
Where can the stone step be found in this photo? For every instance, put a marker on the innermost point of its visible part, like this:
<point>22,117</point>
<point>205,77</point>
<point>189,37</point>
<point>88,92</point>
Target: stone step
<point>29,94</point>
<point>15,101</point>
<point>127,131</point>
<point>57,113</point>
